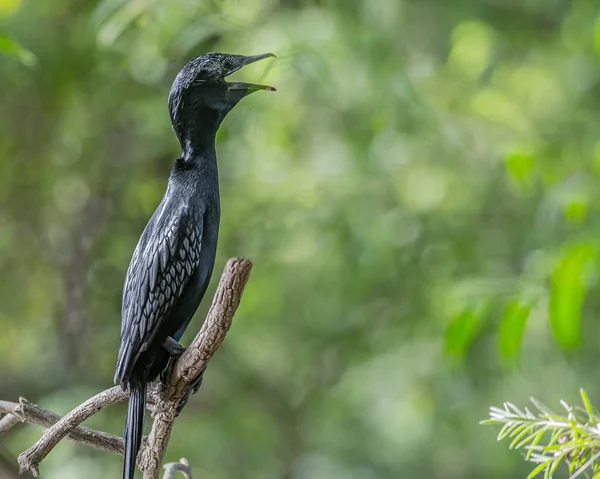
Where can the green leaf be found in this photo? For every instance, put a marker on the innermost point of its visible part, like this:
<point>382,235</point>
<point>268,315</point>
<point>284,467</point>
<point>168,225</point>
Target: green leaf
<point>519,165</point>
<point>534,438</point>
<point>517,429</point>
<point>11,47</point>
<point>555,464</point>
<point>534,444</point>
<point>512,327</point>
<point>462,331</point>
<point>597,36</point>
<point>554,438</point>
<point>538,469</point>
<point>587,403</point>
<point>8,7</point>
<point>541,407</point>
<point>516,443</point>
<point>489,422</point>
<point>511,407</point>
<point>568,293</point>
<point>120,21</point>
<point>504,431</point>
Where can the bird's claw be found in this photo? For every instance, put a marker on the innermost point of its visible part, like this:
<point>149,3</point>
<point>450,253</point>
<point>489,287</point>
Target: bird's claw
<point>193,389</point>
<point>175,350</point>
<point>165,374</point>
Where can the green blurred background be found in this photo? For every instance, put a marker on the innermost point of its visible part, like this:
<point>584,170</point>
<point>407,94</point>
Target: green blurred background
<point>419,198</point>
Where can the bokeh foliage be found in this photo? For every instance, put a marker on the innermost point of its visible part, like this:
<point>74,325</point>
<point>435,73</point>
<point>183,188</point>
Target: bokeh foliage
<point>419,197</point>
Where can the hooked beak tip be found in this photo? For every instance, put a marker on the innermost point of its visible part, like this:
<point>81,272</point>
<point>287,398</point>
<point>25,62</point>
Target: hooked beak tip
<point>256,58</point>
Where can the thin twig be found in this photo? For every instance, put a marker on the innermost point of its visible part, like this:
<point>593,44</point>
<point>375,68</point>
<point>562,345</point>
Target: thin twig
<point>7,422</point>
<point>182,466</point>
<point>583,468</point>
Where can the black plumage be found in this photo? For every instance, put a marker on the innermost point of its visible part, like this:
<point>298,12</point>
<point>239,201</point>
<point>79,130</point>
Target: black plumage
<point>173,261</point>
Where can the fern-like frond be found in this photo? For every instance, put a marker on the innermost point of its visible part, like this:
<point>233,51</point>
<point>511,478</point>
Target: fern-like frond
<point>549,439</point>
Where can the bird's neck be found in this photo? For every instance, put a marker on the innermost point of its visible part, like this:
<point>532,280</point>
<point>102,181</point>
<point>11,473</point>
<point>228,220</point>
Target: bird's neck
<point>197,149</point>
<point>197,134</point>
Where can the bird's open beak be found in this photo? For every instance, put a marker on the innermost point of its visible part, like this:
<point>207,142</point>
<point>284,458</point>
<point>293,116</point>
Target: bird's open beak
<point>249,87</point>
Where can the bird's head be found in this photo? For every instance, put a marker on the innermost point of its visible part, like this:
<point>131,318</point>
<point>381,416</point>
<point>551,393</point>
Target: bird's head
<point>201,88</point>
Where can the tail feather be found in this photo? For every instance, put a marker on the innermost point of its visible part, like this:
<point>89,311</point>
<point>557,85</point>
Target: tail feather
<point>134,426</point>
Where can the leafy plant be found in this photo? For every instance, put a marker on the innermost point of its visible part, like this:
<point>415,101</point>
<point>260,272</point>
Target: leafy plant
<point>550,439</point>
<point>9,46</point>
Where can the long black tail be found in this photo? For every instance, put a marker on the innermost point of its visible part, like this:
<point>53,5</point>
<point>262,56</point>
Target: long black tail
<point>134,425</point>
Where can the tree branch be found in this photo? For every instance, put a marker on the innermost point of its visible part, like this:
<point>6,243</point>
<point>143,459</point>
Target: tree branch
<point>31,458</point>
<point>166,400</point>
<point>192,362</point>
<point>25,411</point>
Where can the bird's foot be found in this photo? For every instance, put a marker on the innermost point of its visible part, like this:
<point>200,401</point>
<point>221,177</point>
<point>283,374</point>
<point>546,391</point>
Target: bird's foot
<point>193,389</point>
<point>173,347</point>
<point>174,350</point>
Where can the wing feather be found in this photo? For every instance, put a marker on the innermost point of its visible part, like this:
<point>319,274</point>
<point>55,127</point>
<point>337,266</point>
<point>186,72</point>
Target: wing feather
<point>162,264</point>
